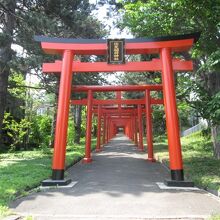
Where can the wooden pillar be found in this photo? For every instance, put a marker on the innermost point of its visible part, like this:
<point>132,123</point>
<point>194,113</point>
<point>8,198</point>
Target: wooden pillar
<point>104,130</point>
<point>87,158</point>
<point>132,126</point>
<point>135,130</point>
<point>149,131</point>
<point>98,144</point>
<point>172,122</point>
<point>118,97</point>
<point>126,129</point>
<point>140,128</point>
<point>59,153</point>
<point>107,129</point>
<point>129,129</point>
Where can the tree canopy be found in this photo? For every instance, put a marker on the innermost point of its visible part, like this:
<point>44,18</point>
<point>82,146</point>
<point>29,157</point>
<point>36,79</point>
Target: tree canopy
<point>154,18</point>
<point>21,20</point>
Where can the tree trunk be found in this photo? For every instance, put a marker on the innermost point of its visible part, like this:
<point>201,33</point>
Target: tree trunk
<point>214,87</point>
<point>216,140</point>
<point>77,123</point>
<point>54,120</point>
<point>6,55</point>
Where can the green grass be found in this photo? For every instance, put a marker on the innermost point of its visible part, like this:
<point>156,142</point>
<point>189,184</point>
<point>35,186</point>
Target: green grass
<point>215,217</point>
<point>22,171</point>
<point>199,164</point>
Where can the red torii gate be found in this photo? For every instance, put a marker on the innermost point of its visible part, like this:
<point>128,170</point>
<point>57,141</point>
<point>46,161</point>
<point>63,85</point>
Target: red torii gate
<point>118,111</point>
<point>164,46</point>
<point>148,101</point>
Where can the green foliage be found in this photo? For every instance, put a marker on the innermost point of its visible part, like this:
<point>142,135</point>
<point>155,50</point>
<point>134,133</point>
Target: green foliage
<point>184,112</point>
<point>157,18</point>
<point>159,123</point>
<point>71,131</point>
<point>4,211</point>
<point>16,86</point>
<point>28,218</point>
<point>16,95</point>
<point>214,108</point>
<point>40,131</point>
<point>21,20</point>
<point>206,104</point>
<point>83,125</point>
<point>15,130</point>
<point>214,217</point>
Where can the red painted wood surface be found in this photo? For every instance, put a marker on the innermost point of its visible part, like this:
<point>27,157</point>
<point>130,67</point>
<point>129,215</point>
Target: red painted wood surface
<point>59,154</point>
<point>85,88</point>
<point>154,65</point>
<point>116,102</point>
<point>172,121</point>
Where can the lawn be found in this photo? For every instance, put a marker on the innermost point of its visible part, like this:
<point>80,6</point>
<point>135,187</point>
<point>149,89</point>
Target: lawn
<point>199,164</point>
<point>22,171</point>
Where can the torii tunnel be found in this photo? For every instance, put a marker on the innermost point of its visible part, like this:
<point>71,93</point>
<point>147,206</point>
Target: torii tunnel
<point>166,64</point>
<point>118,116</point>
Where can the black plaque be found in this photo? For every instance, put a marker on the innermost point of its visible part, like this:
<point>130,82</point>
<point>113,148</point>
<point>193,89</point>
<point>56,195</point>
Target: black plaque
<point>116,51</point>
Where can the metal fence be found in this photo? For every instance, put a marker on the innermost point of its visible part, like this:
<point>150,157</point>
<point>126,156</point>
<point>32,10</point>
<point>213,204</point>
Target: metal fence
<point>201,126</point>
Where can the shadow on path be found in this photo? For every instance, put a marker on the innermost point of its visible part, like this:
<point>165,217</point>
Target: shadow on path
<point>119,182</point>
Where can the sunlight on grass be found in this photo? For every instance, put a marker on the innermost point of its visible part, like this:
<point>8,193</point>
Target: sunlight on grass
<point>199,164</point>
<point>214,217</point>
<point>4,211</point>
<point>22,171</point>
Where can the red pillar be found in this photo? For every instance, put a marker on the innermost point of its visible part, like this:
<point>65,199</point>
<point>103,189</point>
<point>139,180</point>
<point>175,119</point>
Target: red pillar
<point>149,127</point>
<point>135,131</point>
<point>129,129</point>
<point>140,128</point>
<point>172,123</point>
<point>118,97</point>
<point>104,129</point>
<point>132,127</point>
<point>126,130</point>
<point>115,130</point>
<point>107,129</point>
<point>98,145</point>
<point>87,158</point>
<point>110,130</point>
<point>62,117</point>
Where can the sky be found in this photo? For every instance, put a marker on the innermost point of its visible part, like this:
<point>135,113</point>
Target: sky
<point>103,17</point>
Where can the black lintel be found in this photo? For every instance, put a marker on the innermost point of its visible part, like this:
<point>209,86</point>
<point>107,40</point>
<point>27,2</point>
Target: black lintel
<point>195,36</point>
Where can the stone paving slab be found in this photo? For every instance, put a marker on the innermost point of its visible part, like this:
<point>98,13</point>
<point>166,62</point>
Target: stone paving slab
<point>119,184</point>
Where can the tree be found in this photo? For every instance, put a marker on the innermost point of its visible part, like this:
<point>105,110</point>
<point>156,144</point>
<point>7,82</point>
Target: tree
<point>6,38</point>
<point>21,20</point>
<point>154,18</point>
<point>77,123</point>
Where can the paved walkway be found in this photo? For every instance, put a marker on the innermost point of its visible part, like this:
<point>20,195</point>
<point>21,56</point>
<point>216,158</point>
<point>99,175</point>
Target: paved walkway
<point>119,184</point>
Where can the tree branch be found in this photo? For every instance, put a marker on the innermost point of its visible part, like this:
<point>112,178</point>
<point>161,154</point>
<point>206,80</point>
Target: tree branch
<point>29,87</point>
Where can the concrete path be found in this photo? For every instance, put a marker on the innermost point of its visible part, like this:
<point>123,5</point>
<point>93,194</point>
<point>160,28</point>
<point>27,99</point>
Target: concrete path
<point>119,184</point>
